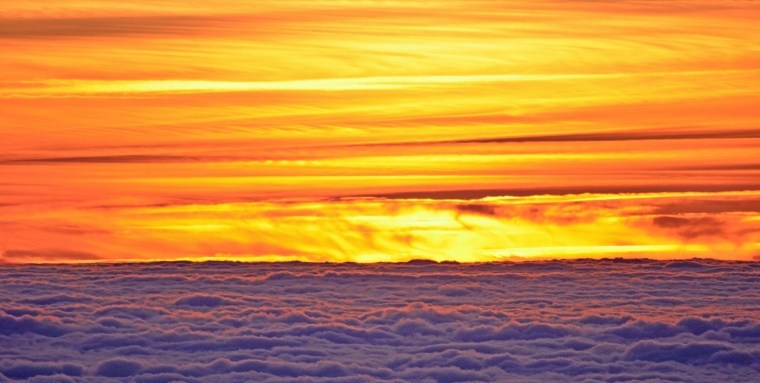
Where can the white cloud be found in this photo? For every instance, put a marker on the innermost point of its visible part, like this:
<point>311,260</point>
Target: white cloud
<point>585,321</point>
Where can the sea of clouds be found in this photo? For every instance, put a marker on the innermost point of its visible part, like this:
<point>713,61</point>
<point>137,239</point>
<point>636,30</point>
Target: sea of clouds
<point>558,321</point>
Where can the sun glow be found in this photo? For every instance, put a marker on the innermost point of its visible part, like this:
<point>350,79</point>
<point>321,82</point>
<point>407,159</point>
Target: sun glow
<point>378,131</point>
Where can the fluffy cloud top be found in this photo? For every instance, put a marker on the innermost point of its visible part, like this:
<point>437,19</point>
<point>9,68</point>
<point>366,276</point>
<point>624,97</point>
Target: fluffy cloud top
<point>584,321</point>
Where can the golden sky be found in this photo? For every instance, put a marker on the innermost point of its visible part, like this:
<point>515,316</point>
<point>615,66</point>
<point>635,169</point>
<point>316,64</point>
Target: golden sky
<point>469,130</point>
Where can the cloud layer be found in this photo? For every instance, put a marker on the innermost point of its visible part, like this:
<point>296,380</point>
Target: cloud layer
<point>564,321</point>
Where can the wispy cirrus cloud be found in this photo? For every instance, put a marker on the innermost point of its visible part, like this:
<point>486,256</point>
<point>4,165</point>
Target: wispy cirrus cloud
<point>232,104</point>
<point>53,88</point>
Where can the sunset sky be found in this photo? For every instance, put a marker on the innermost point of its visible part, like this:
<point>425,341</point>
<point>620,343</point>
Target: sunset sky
<point>325,130</point>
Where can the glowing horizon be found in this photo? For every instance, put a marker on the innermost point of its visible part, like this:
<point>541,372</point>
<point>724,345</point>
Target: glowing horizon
<point>369,131</point>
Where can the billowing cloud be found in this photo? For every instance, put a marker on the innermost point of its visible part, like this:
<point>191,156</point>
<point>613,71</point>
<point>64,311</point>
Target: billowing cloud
<point>574,321</point>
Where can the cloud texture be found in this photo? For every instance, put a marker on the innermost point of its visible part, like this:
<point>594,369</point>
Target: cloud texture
<point>374,229</point>
<point>564,321</point>
<point>214,113</point>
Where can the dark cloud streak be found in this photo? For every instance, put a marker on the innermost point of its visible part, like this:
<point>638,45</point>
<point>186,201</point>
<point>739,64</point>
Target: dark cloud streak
<point>101,26</point>
<point>19,255</point>
<point>564,190</point>
<point>117,159</point>
<point>631,135</point>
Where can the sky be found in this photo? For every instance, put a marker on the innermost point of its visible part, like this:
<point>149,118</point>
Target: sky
<point>374,131</point>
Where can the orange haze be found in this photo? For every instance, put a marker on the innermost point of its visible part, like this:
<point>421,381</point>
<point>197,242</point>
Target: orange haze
<point>469,130</point>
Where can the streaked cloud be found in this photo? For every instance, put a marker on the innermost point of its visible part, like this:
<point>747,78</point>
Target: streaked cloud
<point>657,225</point>
<point>53,88</point>
<point>262,120</point>
<point>52,28</point>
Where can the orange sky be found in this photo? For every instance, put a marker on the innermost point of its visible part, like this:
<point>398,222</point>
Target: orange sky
<point>378,130</point>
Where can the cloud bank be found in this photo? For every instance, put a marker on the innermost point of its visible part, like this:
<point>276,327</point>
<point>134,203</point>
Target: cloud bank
<point>561,321</point>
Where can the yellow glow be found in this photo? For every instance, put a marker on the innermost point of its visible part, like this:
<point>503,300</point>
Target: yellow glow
<point>378,131</point>
<point>382,230</point>
<point>84,87</point>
